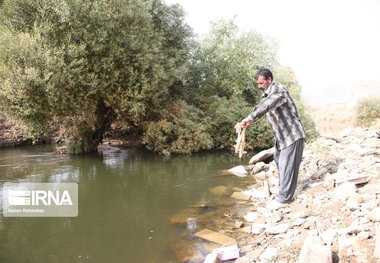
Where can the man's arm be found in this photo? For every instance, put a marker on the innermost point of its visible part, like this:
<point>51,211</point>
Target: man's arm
<point>272,101</point>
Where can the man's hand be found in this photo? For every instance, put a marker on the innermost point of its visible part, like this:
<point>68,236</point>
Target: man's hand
<point>243,124</point>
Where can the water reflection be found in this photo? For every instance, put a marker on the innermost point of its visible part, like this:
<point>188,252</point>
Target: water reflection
<point>126,199</point>
<point>64,174</point>
<point>114,157</point>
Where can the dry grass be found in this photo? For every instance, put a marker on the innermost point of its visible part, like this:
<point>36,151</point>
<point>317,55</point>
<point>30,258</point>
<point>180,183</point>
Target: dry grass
<point>333,118</point>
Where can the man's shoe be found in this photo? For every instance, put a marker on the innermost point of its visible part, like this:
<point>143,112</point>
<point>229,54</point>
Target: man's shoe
<point>275,205</point>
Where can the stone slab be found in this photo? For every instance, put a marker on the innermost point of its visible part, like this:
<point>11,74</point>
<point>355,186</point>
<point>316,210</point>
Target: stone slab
<point>216,237</point>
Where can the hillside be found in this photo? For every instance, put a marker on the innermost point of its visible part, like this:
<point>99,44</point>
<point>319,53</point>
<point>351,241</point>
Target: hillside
<point>334,109</point>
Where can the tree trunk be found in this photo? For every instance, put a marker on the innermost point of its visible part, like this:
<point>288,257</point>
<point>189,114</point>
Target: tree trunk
<point>104,117</point>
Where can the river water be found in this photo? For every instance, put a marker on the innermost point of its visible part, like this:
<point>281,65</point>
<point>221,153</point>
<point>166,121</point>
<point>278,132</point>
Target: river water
<point>127,197</point>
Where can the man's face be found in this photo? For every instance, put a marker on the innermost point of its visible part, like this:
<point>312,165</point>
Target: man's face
<point>262,83</point>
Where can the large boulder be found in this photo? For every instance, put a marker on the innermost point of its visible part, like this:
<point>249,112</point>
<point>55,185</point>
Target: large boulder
<point>314,250</point>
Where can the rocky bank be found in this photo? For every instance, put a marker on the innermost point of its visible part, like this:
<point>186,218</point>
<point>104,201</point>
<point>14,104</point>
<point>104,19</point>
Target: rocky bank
<point>335,216</point>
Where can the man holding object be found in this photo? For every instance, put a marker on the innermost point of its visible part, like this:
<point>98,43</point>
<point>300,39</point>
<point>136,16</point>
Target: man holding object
<point>281,114</point>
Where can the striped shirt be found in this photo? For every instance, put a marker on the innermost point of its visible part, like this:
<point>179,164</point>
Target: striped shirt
<point>281,114</point>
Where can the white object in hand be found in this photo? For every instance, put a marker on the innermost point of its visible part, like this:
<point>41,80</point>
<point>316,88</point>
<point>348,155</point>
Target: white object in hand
<point>240,142</point>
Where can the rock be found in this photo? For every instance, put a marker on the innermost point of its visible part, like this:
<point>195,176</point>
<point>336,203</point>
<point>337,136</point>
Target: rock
<point>276,217</point>
<point>186,251</point>
<point>62,150</point>
<point>191,223</point>
<point>246,229</point>
<point>219,190</point>
<point>370,189</point>
<point>313,250</point>
<point>313,232</point>
<point>258,194</point>
<point>272,169</point>
<point>268,189</point>
<point>239,224</point>
<point>190,212</point>
<point>355,198</point>
<point>370,204</point>
<point>354,201</point>
<point>374,215</point>
<point>269,254</point>
<point>291,234</point>
<point>211,258</point>
<point>344,191</point>
<point>263,210</point>
<point>262,156</point>
<point>180,219</point>
<point>260,176</point>
<point>328,184</point>
<point>241,196</point>
<point>310,223</point>
<point>246,248</point>
<point>216,237</point>
<point>301,214</point>
<point>364,235</point>
<point>251,216</point>
<point>257,229</point>
<point>253,255</point>
<point>346,246</point>
<point>239,171</point>
<point>299,221</point>
<point>328,236</point>
<point>242,260</point>
<point>258,167</point>
<point>376,252</point>
<point>278,229</point>
<point>354,178</point>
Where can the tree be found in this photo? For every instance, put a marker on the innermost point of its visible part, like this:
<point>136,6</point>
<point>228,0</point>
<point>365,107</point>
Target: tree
<point>222,81</point>
<point>85,64</point>
<point>219,90</point>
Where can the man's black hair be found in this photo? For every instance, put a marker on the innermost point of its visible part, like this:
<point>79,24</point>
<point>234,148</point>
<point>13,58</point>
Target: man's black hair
<point>266,73</point>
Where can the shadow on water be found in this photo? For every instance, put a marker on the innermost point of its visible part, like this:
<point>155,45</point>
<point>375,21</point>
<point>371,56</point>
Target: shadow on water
<point>127,198</point>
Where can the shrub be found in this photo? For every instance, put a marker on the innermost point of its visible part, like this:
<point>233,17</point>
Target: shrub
<point>182,129</point>
<point>225,114</point>
<point>368,111</point>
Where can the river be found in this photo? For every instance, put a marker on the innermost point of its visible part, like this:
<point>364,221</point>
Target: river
<point>127,198</point>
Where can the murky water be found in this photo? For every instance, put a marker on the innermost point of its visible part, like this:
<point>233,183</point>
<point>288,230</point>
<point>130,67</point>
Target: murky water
<point>127,200</point>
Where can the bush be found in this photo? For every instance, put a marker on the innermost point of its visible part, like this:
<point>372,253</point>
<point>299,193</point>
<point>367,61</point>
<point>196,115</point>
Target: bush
<point>368,111</point>
<point>182,129</point>
<point>225,114</point>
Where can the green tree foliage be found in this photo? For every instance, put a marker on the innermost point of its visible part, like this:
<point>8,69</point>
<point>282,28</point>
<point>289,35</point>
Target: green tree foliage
<point>221,81</point>
<point>182,129</point>
<point>219,91</point>
<point>85,64</point>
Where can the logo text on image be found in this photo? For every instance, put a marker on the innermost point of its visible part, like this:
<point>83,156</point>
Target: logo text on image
<point>42,199</point>
<point>39,198</point>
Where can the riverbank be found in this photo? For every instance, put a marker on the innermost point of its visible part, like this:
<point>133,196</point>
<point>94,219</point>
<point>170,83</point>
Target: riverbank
<point>12,134</point>
<point>335,216</point>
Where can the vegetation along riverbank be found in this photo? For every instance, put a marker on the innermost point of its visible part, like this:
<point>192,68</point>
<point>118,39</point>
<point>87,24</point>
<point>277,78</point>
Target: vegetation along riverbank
<point>75,69</point>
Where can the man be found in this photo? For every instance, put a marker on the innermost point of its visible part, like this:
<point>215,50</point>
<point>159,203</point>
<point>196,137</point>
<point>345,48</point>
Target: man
<point>281,114</point>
